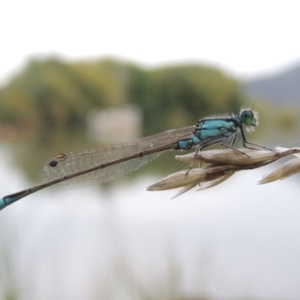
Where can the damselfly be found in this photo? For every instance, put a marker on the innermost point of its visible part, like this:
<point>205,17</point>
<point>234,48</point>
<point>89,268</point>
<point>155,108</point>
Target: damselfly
<point>102,164</point>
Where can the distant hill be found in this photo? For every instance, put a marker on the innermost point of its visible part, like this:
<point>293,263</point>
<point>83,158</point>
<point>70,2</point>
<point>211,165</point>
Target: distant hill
<point>282,88</point>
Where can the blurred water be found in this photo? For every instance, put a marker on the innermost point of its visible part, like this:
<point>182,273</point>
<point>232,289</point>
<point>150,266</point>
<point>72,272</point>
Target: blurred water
<point>235,241</point>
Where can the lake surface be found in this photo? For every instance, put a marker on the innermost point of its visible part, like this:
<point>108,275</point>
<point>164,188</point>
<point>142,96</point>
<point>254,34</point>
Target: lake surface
<point>235,241</point>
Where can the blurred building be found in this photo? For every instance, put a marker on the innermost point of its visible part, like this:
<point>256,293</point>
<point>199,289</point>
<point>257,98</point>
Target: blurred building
<point>115,125</point>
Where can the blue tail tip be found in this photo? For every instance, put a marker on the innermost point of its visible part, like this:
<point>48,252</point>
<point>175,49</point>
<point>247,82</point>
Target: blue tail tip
<point>2,203</point>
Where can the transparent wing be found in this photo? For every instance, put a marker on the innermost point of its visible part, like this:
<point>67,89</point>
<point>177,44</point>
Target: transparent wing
<point>74,162</point>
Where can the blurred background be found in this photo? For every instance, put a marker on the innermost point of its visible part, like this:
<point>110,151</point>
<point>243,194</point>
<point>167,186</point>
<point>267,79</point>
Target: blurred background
<point>80,74</point>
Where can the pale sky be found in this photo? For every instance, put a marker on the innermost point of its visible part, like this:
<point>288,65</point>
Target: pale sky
<point>244,38</point>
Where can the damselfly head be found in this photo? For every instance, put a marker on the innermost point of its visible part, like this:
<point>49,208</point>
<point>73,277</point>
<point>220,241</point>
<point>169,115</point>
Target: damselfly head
<point>249,118</point>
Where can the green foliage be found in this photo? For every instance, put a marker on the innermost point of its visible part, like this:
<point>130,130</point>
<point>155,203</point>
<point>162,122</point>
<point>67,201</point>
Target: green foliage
<point>52,95</point>
<point>178,96</point>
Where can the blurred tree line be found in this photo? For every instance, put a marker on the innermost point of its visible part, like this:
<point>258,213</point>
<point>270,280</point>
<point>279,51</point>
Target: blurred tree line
<point>53,95</point>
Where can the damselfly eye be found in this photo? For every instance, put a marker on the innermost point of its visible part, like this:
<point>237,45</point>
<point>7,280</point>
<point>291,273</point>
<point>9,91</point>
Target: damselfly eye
<point>247,118</point>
